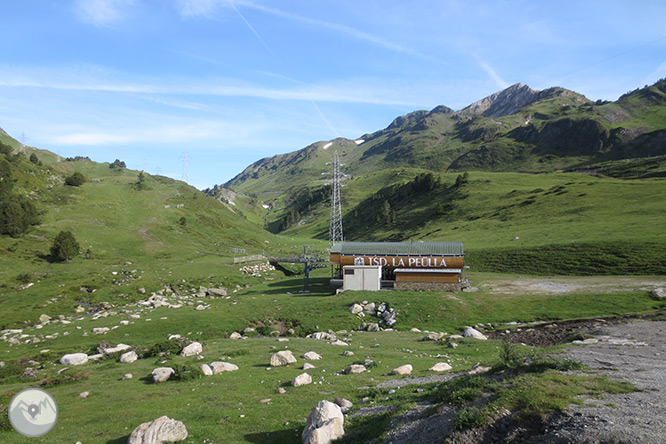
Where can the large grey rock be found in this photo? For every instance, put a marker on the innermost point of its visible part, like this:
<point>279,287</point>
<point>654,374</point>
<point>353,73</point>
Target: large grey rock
<point>325,424</point>
<point>373,326</point>
<point>74,359</point>
<point>302,379</point>
<point>161,374</point>
<point>471,332</point>
<point>161,430</point>
<point>659,292</point>
<point>129,357</point>
<point>281,358</point>
<point>440,367</point>
<point>370,309</point>
<point>403,370</point>
<point>355,308</point>
<point>206,370</point>
<point>433,336</point>
<point>193,349</point>
<point>221,367</point>
<point>312,356</point>
<point>354,369</point>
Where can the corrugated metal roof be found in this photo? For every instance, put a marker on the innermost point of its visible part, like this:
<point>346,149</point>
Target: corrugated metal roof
<point>399,248</point>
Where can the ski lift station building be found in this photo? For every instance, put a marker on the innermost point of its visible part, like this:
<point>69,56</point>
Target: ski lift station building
<point>401,265</point>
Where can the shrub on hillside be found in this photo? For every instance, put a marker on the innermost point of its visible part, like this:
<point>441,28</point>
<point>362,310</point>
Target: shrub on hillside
<point>65,246</point>
<point>118,164</point>
<point>75,180</point>
<point>17,214</point>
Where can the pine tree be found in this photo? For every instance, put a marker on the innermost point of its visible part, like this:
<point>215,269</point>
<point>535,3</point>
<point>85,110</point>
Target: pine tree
<point>65,246</point>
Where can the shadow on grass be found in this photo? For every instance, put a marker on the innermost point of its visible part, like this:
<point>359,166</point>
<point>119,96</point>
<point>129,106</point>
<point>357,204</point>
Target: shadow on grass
<point>121,440</point>
<point>288,436</point>
<point>316,287</point>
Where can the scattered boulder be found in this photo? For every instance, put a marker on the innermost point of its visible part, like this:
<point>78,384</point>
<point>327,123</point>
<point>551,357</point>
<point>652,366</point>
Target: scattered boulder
<point>128,376</point>
<point>281,358</point>
<point>129,357</point>
<point>355,309</point>
<point>471,332</point>
<point>322,335</point>
<point>344,404</point>
<point>29,373</point>
<point>221,366</point>
<point>100,330</point>
<point>161,430</point>
<point>84,395</point>
<point>440,367</point>
<point>161,374</point>
<point>206,370</point>
<point>659,292</point>
<point>325,424</point>
<point>217,291</point>
<point>308,366</point>
<point>373,326</point>
<point>347,353</point>
<point>302,379</point>
<point>104,348</point>
<point>403,370</point>
<point>193,349</point>
<point>235,335</point>
<point>340,343</point>
<point>370,308</point>
<point>74,359</point>
<point>433,336</point>
<point>354,369</point>
<point>312,356</point>
<point>44,318</point>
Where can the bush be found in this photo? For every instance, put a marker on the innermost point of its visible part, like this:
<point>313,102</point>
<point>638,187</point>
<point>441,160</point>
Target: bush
<point>75,180</point>
<point>65,246</point>
<point>34,159</point>
<point>17,214</point>
<point>118,164</point>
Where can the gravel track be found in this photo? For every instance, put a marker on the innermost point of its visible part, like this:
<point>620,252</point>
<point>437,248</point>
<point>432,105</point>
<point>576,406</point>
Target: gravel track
<point>632,352</point>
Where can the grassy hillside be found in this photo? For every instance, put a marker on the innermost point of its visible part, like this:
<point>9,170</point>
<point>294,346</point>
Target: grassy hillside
<point>132,240</point>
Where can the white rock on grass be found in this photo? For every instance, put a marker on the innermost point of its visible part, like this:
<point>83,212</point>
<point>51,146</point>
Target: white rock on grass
<point>440,367</point>
<point>354,369</point>
<point>312,356</point>
<point>308,366</point>
<point>161,430</point>
<point>129,357</point>
<point>355,308</point>
<point>100,330</point>
<point>403,370</point>
<point>302,379</point>
<point>659,292</point>
<point>340,343</point>
<point>206,370</point>
<point>471,332</point>
<point>128,376</point>
<point>193,349</point>
<point>281,358</point>
<point>161,374</point>
<point>325,424</point>
<point>235,335</point>
<point>344,404</point>
<point>74,359</point>
<point>221,366</point>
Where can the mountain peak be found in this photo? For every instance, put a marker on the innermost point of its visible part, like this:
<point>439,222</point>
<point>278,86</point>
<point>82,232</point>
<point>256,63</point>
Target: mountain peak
<point>503,103</point>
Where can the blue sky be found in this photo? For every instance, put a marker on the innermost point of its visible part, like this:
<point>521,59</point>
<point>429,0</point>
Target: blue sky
<point>231,81</point>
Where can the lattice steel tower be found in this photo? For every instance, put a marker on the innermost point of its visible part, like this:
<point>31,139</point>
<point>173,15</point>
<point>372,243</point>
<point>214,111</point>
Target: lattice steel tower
<point>335,228</point>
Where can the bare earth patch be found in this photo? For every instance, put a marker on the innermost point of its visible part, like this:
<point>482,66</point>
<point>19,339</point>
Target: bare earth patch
<point>565,285</point>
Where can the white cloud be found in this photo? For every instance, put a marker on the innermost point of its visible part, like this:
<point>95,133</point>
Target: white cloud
<point>194,8</point>
<point>102,12</point>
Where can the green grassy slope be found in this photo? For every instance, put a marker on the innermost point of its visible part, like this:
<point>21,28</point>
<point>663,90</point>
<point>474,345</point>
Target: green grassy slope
<point>134,239</point>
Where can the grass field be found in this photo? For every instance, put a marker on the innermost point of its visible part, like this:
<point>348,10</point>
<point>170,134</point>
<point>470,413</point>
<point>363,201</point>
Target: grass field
<point>228,407</point>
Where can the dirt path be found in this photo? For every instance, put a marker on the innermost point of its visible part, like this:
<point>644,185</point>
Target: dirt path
<point>564,285</point>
